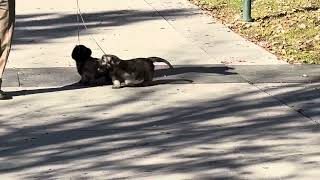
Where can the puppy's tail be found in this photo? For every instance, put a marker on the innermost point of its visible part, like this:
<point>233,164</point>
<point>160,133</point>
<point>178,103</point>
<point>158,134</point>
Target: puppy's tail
<point>157,59</point>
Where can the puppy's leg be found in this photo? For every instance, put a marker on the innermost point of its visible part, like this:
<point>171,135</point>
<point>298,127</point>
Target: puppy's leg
<point>108,80</point>
<point>148,78</point>
<point>84,80</point>
<point>146,83</point>
<point>116,83</point>
<point>129,82</point>
<point>87,78</point>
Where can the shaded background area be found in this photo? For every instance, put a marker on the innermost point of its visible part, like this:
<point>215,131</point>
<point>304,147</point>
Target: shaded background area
<point>39,36</point>
<point>222,131</point>
<point>47,27</point>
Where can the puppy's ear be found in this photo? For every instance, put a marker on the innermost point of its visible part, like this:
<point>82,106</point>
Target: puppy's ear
<point>114,60</point>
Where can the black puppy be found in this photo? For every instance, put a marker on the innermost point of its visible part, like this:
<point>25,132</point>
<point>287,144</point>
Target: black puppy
<point>87,66</point>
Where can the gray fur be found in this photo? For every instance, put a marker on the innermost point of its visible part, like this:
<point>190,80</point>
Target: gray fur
<point>132,72</point>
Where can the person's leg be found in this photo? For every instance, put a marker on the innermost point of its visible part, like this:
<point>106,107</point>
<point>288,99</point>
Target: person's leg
<point>7,20</point>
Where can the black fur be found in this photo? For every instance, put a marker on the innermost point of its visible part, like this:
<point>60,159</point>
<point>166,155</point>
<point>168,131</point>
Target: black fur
<point>88,66</point>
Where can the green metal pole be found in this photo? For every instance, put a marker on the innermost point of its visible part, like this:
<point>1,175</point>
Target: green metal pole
<point>247,11</point>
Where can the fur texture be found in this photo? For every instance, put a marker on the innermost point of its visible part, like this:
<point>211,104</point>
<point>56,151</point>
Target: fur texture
<point>88,66</point>
<point>133,72</point>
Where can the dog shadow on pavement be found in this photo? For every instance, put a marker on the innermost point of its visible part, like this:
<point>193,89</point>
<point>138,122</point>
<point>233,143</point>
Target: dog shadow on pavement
<point>178,75</point>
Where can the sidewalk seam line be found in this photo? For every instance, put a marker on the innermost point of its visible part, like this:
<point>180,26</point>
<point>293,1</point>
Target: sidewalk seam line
<point>18,77</point>
<point>284,103</point>
<point>279,100</point>
<point>185,37</point>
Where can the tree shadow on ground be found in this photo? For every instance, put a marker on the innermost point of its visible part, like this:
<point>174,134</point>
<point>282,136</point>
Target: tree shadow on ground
<point>207,137</point>
<point>42,28</point>
<point>230,133</point>
<point>76,86</point>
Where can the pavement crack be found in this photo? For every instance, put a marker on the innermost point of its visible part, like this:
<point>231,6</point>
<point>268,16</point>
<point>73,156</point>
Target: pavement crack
<point>284,103</point>
<point>279,100</point>
<point>18,78</point>
<point>192,40</point>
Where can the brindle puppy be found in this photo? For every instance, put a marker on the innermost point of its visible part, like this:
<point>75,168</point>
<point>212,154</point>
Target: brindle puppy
<point>133,72</point>
<point>88,66</point>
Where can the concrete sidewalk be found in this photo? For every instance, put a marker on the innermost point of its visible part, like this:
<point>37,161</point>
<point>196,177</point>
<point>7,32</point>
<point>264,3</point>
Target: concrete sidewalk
<point>245,116</point>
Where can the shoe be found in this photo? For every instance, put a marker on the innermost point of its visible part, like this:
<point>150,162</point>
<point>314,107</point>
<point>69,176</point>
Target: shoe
<point>4,96</point>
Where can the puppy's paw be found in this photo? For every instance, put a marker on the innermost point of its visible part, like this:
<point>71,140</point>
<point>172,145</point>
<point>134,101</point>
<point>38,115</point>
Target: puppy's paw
<point>83,83</point>
<point>116,86</point>
<point>145,84</point>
